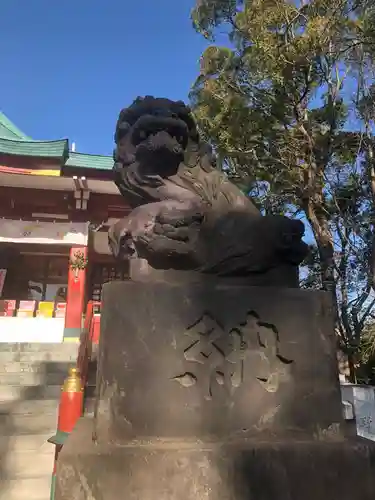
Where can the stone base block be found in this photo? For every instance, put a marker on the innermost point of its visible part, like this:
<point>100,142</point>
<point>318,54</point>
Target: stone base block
<point>187,470</point>
<point>214,361</point>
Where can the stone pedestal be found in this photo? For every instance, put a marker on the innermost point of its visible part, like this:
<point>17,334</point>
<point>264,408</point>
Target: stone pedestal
<point>215,391</point>
<point>238,470</point>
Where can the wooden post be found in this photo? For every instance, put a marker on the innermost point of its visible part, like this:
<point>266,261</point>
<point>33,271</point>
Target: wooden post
<point>75,300</point>
<point>70,410</point>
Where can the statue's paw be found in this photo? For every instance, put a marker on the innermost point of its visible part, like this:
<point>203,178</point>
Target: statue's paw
<point>168,249</point>
<point>120,240</point>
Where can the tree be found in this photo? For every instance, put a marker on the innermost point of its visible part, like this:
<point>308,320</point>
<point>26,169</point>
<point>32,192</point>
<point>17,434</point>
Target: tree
<point>287,106</point>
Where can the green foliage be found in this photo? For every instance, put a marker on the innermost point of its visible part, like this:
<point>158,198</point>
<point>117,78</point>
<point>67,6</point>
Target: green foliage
<point>288,105</point>
<point>366,355</point>
<point>210,13</point>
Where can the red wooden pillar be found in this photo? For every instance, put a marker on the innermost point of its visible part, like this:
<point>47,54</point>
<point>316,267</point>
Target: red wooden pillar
<point>70,410</point>
<point>75,300</point>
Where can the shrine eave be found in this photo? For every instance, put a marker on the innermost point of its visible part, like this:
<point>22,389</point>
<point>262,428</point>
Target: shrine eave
<point>84,161</point>
<point>14,142</point>
<point>55,183</point>
<point>9,130</point>
<point>41,149</point>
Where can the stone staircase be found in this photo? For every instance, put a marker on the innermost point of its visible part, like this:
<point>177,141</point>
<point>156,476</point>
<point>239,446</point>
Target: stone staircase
<point>31,376</point>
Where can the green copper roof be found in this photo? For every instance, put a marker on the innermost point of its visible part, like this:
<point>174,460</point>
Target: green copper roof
<point>97,162</point>
<point>9,131</point>
<point>41,149</point>
<point>14,142</point>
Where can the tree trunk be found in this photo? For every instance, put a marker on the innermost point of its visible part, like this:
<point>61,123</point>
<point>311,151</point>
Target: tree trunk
<point>371,181</point>
<point>324,241</point>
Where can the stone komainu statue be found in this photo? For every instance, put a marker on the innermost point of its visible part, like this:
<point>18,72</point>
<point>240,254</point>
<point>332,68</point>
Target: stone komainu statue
<point>186,214</point>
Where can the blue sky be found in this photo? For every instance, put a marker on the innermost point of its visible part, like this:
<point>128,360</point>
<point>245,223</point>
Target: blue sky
<point>67,68</point>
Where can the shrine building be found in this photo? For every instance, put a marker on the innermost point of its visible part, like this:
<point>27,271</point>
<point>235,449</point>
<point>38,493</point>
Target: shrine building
<point>55,208</point>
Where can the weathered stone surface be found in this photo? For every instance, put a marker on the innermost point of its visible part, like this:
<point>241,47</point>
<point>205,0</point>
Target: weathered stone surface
<point>35,488</point>
<point>9,393</point>
<point>237,470</point>
<point>215,391</point>
<point>214,361</point>
<point>28,464</point>
<point>32,423</point>
<point>36,443</point>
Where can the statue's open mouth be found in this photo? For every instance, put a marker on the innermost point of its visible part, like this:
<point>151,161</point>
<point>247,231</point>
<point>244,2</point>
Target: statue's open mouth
<point>148,126</point>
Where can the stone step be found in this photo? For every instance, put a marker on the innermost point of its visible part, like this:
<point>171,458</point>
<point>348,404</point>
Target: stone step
<point>30,366</point>
<point>29,407</point>
<point>17,424</point>
<point>26,488</point>
<point>37,443</point>
<point>38,347</point>
<point>27,464</point>
<point>38,352</point>
<point>32,378</point>
<point>9,393</point>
